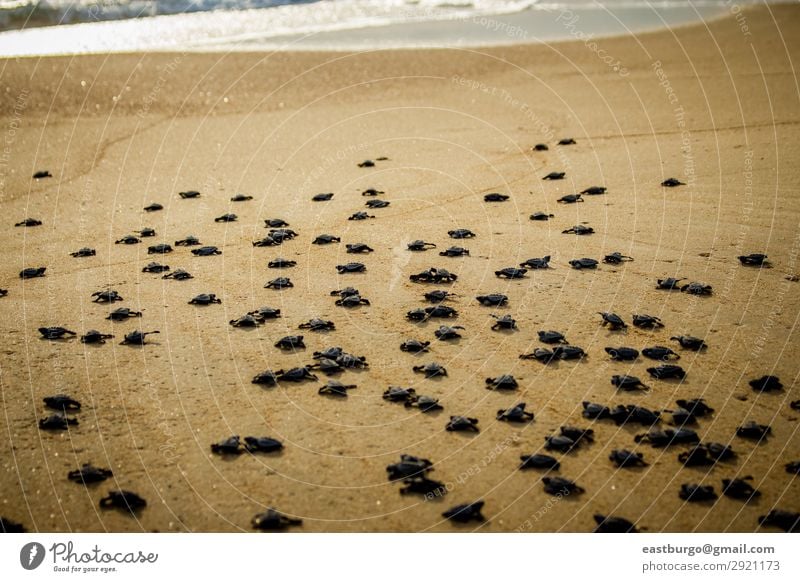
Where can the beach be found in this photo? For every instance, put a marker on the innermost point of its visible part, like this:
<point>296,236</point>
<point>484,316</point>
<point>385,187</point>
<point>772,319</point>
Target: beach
<point>714,105</point>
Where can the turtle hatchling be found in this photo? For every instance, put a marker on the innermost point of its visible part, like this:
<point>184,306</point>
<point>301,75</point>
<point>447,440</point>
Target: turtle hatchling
<point>492,300</point>
<point>516,413</point>
<point>280,263</point>
<point>84,252</point>
<point>161,249</point>
<point>414,346</point>
<point>326,239</point>
<point>241,198</point>
<point>646,321</point>
<point>155,268</point>
<point>740,488</point>
<point>754,260</point>
<point>541,216</point>
<point>377,203</point>
<point>616,258</point>
<point>584,263</point>
<point>504,322</point>
<point>626,458</point>
<point>206,251</point>
<point>461,233</point>
<point>454,252</point>
<point>361,215</point>
<point>279,283</point>
<point>570,198</point>
<point>465,513</point>
<point>351,268</point>
<point>628,383</point>
<point>561,486</point>
<point>610,524</point>
<point>205,299</point>
<point>154,207</point>
<point>290,342</point>
<point>424,403</point>
<point>669,284</point>
<point>579,229</point>
<point>511,273</point>
<point>273,520</point>
<point>667,371</point>
<point>495,197</point>
<point>106,297</point>
<point>137,338</point>
<point>95,337</point>
<point>672,182</point>
<point>323,197</point>
<point>335,388</point>
<point>537,263</point>
<point>696,288</point>
<point>690,342</point>
<point>766,384</point>
<point>420,245</point>
<point>358,248</point>
<point>57,422</point>
<point>554,176</point>
<point>178,275</point>
<point>622,354</point>
<point>660,353</point>
<point>462,423</point>
<point>262,444</point>
<point>62,402</point>
<point>189,241</point>
<point>695,492</point>
<point>539,461</point>
<point>89,474</point>
<point>316,324</point>
<point>612,320</point>
<point>55,333</point>
<point>124,500</point>
<point>398,394</point>
<point>430,370</point>
<point>502,382</point>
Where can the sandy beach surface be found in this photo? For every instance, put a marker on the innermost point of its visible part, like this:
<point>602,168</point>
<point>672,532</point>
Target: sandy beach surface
<point>715,105</point>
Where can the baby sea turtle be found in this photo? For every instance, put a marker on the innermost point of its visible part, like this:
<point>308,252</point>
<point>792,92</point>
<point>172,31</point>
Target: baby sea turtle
<point>84,252</point>
<point>511,273</point>
<point>335,388</point>
<point>55,332</point>
<point>408,468</point>
<point>361,215</point>
<point>420,245</point>
<point>540,147</point>
<point>561,486</point>
<point>502,382</point>
<point>541,216</point>
<point>295,375</point>
<point>461,233</point>
<point>667,371</point>
<point>594,190</point>
<point>160,249</point>
<point>645,321</point>
<point>372,192</point>
<point>88,473</point>
<point>495,197</point>
<point>579,229</point>
<point>447,332</point>
<point>740,488</point>
<point>282,234</point>
<point>178,275</point>
<point>566,141</point>
<point>398,394</point>
<point>377,203</point>
<point>462,423</point>
<point>107,296</point>
<point>246,321</point>
<point>326,239</point>
<point>205,299</point>
<point>626,458</point>
<point>661,353</point>
<point>122,314</point>
<point>95,337</point>
<point>516,413</point>
<point>551,337</point>
<point>262,444</point>
<point>753,430</point>
<point>229,446</point>
<point>695,288</point>
<point>42,174</point>
<point>616,258</point>
<point>316,324</point>
<point>697,493</point>
<point>670,283</point>
<point>155,268</point>
<point>241,198</point>
<point>124,500</point>
<point>504,322</point>
<point>423,486</point>
<point>279,283</point>
<point>266,378</point>
<point>264,313</point>
<point>350,361</point>
<point>128,240</point>
<point>539,461</point>
<point>690,342</point>
<point>345,292</point>
<point>766,384</point>
<point>351,268</point>
<point>570,198</point>
<point>541,355</point>
<point>57,422</point>
<point>329,353</point>
<point>275,223</point>
<point>327,366</point>
<point>569,353</point>
<point>492,300</point>
<point>465,513</point>
<point>610,524</point>
<point>154,207</point>
<point>207,251</point>
<point>424,403</point>
<point>555,176</point>
<point>628,383</point>
<point>622,354</point>
<point>754,260</point>
<point>624,414</point>
<point>438,296</point>
<point>290,342</point>
<point>696,406</point>
<point>454,252</point>
<point>281,263</point>
<point>414,346</point>
<point>137,338</point>
<point>663,438</point>
<point>584,263</point>
<point>612,320</point>
<point>431,370</point>
<point>793,467</point>
<point>358,248</point>
<point>62,402</point>
<point>267,241</point>
<point>672,182</point>
<point>788,521</point>
<point>434,275</point>
<point>32,272</point>
<point>440,311</point>
<point>323,197</point>
<point>537,263</point>
<point>593,411</point>
<point>3,292</point>
<point>146,232</point>
<point>29,222</point>
<point>352,301</point>
<point>189,194</point>
<point>273,520</point>
<point>189,241</point>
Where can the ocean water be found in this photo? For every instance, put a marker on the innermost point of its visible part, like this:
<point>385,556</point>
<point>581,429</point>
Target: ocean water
<point>53,27</point>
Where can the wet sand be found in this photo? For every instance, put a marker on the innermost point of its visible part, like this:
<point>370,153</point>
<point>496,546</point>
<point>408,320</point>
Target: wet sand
<point>715,106</point>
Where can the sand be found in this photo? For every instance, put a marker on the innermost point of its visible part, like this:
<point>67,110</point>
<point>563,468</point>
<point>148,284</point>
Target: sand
<point>715,105</point>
